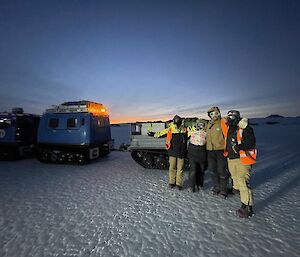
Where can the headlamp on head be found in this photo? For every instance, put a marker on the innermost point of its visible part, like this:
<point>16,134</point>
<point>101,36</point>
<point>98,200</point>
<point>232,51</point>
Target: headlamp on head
<point>200,124</point>
<point>233,117</point>
<point>177,120</point>
<point>214,113</point>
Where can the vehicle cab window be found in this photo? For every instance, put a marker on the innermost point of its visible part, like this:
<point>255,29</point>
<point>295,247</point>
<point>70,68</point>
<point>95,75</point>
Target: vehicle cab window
<point>53,123</point>
<point>71,123</point>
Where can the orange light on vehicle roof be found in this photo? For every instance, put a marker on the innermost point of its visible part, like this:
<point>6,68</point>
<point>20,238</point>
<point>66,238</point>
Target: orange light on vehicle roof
<point>97,109</point>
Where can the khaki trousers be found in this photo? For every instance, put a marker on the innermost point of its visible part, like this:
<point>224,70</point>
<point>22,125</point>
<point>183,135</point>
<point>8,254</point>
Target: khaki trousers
<point>176,171</point>
<point>240,174</point>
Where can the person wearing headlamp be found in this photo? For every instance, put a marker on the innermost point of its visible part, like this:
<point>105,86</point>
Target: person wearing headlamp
<point>240,150</point>
<point>176,145</point>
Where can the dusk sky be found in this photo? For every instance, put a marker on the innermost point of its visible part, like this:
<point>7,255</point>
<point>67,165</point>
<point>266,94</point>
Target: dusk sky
<point>150,60</point>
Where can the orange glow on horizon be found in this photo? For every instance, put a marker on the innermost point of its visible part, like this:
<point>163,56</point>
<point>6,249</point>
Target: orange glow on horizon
<point>117,119</point>
<point>132,119</point>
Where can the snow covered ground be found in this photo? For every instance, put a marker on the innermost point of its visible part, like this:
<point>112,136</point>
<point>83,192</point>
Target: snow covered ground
<point>113,207</point>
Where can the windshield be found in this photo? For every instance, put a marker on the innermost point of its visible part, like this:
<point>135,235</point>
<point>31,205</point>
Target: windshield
<point>4,123</point>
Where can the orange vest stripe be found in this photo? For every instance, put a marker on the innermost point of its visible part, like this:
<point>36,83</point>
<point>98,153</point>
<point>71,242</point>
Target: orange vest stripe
<point>168,140</point>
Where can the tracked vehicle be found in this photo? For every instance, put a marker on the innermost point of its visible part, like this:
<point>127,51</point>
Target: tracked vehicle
<point>18,134</point>
<point>147,151</point>
<point>150,152</point>
<point>74,132</point>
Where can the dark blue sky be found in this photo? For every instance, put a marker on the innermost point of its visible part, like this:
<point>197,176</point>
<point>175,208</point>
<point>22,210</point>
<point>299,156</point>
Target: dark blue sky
<point>152,59</point>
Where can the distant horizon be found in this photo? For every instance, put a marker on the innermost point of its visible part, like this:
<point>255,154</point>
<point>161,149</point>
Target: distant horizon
<point>114,123</point>
<point>166,118</point>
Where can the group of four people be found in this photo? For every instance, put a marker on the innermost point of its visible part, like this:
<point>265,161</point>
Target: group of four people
<point>216,146</point>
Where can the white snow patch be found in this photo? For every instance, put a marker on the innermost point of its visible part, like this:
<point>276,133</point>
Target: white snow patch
<point>113,207</point>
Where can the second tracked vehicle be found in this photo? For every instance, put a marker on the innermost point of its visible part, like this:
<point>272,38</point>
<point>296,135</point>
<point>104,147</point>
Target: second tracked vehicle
<point>150,152</point>
<point>147,151</point>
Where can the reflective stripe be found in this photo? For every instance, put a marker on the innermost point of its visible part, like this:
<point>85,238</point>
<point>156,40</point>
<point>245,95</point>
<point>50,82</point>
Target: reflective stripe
<point>225,129</point>
<point>248,157</point>
<point>239,136</point>
<point>168,139</point>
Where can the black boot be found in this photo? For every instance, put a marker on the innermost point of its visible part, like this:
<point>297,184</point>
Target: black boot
<point>245,211</point>
<point>250,211</point>
<point>198,188</point>
<point>215,191</point>
<point>191,189</point>
<point>223,195</point>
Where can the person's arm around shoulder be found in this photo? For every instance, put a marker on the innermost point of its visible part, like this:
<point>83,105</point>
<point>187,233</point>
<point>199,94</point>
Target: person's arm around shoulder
<point>248,140</point>
<point>190,130</point>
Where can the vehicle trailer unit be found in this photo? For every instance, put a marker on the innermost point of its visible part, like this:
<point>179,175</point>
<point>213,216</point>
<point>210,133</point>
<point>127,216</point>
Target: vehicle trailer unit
<point>74,132</point>
<point>18,134</point>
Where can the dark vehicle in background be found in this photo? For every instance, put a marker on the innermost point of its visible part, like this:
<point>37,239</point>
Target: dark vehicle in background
<point>18,134</point>
<point>74,132</point>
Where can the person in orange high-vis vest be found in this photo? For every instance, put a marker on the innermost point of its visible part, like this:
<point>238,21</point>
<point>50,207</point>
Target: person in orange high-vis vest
<point>176,145</point>
<point>240,151</point>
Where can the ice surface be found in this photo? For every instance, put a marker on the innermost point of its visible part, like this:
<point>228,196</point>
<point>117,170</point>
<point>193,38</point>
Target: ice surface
<point>113,207</point>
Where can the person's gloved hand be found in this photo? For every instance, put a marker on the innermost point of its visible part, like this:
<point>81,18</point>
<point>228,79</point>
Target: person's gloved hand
<point>235,148</point>
<point>150,134</point>
<point>156,135</point>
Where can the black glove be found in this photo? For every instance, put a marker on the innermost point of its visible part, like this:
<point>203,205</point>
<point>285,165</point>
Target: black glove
<point>151,134</point>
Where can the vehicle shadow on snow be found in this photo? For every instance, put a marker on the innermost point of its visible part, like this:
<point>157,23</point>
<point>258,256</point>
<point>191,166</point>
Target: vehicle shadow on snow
<point>283,190</point>
<point>272,167</point>
<point>275,166</point>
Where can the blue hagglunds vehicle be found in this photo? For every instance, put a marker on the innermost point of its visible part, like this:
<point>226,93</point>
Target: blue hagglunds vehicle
<point>18,134</point>
<point>74,132</point>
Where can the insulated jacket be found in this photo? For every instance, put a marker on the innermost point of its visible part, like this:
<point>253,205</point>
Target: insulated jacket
<point>197,137</point>
<point>196,146</point>
<point>214,135</point>
<point>245,141</point>
<point>176,142</point>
